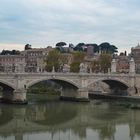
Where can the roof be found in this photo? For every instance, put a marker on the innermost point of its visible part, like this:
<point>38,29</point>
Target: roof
<point>38,49</point>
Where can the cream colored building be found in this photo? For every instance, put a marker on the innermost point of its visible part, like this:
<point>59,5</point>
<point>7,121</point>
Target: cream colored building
<point>32,60</point>
<point>8,62</point>
<point>35,59</point>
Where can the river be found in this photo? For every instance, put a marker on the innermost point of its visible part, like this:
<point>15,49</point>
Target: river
<point>59,120</point>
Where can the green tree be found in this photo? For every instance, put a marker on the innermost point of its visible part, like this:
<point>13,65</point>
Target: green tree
<point>15,52</point>
<point>107,48</point>
<point>78,57</point>
<point>95,66</point>
<point>105,62</point>
<point>79,47</point>
<point>60,44</point>
<point>74,67</point>
<point>27,47</point>
<point>64,59</point>
<point>53,60</point>
<point>8,52</point>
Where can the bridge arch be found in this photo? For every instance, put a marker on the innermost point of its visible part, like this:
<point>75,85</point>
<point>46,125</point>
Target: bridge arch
<point>53,79</point>
<point>112,83</point>
<point>6,84</point>
<point>110,79</point>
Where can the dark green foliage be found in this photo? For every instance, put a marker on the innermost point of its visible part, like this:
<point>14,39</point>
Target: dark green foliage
<point>71,45</point>
<point>15,52</point>
<point>27,47</point>
<point>74,67</point>
<point>60,44</point>
<point>79,47</point>
<point>60,48</point>
<point>78,57</point>
<point>45,87</point>
<point>96,48</point>
<point>8,52</point>
<point>105,62</point>
<point>104,47</point>
<point>53,60</point>
<point>95,65</point>
<point>107,48</point>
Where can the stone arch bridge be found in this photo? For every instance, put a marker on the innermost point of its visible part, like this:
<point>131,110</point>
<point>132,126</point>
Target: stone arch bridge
<point>15,85</point>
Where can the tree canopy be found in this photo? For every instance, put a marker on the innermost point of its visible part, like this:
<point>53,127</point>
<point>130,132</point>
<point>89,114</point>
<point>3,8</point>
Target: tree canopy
<point>107,48</point>
<point>60,44</point>
<point>78,57</point>
<point>71,45</point>
<point>60,48</point>
<point>104,47</point>
<point>27,47</point>
<point>105,62</point>
<point>8,52</point>
<point>53,60</point>
<point>79,47</point>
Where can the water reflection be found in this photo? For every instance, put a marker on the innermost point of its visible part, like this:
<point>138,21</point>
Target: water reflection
<point>51,114</point>
<point>69,121</point>
<point>6,115</point>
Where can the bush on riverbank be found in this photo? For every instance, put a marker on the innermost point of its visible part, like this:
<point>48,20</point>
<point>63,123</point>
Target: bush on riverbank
<point>48,90</point>
<point>45,87</point>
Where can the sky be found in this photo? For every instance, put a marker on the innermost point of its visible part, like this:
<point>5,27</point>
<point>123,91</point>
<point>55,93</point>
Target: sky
<point>43,23</point>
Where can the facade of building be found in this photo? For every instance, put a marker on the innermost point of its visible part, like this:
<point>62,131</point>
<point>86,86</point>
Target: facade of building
<point>8,63</point>
<point>122,63</point>
<point>90,51</point>
<point>135,53</point>
<point>32,60</point>
<point>35,59</point>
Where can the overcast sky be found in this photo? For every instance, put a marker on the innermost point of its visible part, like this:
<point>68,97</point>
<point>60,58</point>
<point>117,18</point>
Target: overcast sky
<point>45,22</point>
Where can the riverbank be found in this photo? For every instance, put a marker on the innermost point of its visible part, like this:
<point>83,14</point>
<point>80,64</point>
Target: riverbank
<point>13,102</point>
<point>114,97</point>
<point>126,100</point>
<point>132,102</point>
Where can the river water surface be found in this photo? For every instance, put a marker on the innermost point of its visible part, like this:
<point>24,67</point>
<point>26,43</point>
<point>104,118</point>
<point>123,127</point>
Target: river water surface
<point>58,120</point>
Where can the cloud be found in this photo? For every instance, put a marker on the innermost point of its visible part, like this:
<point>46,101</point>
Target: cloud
<point>10,46</point>
<point>46,22</point>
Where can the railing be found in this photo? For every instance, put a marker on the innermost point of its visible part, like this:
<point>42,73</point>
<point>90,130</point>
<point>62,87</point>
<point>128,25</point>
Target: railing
<point>71,73</point>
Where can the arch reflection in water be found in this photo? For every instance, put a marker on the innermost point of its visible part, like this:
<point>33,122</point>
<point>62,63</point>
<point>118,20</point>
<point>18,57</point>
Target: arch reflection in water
<point>6,115</point>
<point>68,121</point>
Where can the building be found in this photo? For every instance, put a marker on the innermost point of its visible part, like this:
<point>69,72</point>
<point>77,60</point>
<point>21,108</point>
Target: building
<point>35,59</point>
<point>135,53</point>
<point>90,51</point>
<point>8,63</point>
<point>32,60</point>
<point>122,65</point>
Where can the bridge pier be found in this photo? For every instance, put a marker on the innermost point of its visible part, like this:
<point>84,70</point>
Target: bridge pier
<point>80,95</point>
<point>132,91</point>
<point>138,91</point>
<point>19,96</point>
